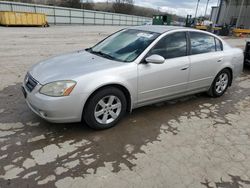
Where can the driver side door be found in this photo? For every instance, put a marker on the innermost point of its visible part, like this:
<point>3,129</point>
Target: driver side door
<point>158,81</point>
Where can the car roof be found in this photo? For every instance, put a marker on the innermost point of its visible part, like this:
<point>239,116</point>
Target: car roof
<point>157,28</point>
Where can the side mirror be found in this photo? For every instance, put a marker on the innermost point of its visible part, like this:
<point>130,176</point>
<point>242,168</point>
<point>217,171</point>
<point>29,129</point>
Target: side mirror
<point>156,59</point>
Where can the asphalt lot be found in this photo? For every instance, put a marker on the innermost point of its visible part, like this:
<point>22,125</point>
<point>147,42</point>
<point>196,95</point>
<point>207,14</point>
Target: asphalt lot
<point>192,142</point>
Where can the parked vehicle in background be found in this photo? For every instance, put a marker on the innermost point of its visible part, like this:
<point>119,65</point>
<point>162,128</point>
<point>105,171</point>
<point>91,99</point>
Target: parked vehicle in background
<point>131,68</point>
<point>247,53</point>
<point>147,23</point>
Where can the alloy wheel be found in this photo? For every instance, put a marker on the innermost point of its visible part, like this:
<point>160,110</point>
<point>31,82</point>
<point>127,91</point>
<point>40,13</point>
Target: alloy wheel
<point>107,109</point>
<point>221,83</point>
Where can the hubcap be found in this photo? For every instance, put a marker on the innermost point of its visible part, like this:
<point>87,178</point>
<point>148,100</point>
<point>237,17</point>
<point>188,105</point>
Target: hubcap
<point>221,83</point>
<point>108,109</point>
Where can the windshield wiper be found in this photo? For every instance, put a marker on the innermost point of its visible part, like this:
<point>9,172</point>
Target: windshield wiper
<point>88,49</point>
<point>101,54</point>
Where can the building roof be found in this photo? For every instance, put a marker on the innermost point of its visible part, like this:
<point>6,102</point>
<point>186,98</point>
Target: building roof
<point>156,28</point>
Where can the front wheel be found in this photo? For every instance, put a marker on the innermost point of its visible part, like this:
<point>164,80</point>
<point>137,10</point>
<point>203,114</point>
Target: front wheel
<point>105,108</point>
<point>220,84</point>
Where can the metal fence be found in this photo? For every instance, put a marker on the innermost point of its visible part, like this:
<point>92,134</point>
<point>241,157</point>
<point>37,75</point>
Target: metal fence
<point>61,15</point>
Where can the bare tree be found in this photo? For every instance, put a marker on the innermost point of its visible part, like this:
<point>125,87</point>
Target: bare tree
<point>22,1</point>
<point>123,6</point>
<point>88,5</point>
<point>71,3</point>
<point>52,2</point>
<point>27,1</point>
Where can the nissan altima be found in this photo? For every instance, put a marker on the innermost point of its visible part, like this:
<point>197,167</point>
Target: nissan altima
<point>131,68</point>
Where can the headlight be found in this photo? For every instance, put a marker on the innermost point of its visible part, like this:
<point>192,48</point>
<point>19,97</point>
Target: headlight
<point>58,88</point>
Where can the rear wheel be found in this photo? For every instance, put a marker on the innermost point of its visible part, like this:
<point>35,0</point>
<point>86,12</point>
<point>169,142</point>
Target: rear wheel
<point>105,108</point>
<point>220,84</point>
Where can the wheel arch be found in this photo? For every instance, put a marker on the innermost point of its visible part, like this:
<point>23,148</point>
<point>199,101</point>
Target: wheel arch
<point>226,66</point>
<point>231,74</point>
<point>124,89</point>
<point>210,91</point>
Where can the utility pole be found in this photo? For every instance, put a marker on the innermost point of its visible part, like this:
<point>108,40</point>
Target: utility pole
<point>197,8</point>
<point>206,8</point>
<point>219,11</point>
<point>196,12</point>
<point>228,8</point>
<point>239,16</point>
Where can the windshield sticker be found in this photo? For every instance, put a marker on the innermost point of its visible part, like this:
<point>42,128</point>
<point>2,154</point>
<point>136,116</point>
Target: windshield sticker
<point>145,35</point>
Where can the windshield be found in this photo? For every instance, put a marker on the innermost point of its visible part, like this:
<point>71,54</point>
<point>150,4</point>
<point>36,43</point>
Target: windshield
<point>125,45</point>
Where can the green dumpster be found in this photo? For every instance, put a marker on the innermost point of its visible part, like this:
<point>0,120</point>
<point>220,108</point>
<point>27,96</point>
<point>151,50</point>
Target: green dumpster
<point>162,19</point>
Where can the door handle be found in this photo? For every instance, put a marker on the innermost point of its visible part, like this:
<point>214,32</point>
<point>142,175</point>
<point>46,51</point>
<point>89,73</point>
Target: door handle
<point>220,60</point>
<point>184,68</point>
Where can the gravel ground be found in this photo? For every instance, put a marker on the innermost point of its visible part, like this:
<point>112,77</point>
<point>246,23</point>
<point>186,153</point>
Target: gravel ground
<point>192,142</point>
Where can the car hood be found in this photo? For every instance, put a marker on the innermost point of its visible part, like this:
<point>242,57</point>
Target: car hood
<point>70,66</point>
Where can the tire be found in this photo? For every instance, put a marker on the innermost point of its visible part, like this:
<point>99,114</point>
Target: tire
<point>222,81</point>
<point>105,108</point>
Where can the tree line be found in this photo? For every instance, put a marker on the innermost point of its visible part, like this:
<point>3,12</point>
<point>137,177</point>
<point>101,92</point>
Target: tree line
<point>119,6</point>
<point>116,6</point>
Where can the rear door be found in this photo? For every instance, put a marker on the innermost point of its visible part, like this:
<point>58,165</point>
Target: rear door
<point>206,55</point>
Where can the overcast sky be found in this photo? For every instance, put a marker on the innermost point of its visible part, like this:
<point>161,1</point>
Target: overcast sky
<point>178,7</point>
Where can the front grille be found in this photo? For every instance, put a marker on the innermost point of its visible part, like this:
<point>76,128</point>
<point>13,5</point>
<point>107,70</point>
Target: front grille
<point>30,82</point>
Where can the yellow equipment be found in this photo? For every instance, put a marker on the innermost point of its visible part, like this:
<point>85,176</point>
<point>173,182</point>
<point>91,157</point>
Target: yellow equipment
<point>244,31</point>
<point>9,18</point>
<point>201,27</point>
<point>241,32</point>
<point>205,28</point>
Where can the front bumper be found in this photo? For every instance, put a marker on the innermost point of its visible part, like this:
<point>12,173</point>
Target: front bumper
<point>66,109</point>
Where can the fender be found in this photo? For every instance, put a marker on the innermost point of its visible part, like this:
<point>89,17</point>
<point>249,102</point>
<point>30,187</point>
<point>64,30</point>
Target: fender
<point>127,79</point>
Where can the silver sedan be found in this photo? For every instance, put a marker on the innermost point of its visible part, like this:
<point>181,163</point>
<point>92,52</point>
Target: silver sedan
<point>131,68</point>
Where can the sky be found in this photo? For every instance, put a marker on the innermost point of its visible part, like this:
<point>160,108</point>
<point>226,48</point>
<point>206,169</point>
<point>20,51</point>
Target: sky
<point>181,8</point>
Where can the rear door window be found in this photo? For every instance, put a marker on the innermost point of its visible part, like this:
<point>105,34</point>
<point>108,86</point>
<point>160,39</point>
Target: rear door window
<point>201,43</point>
